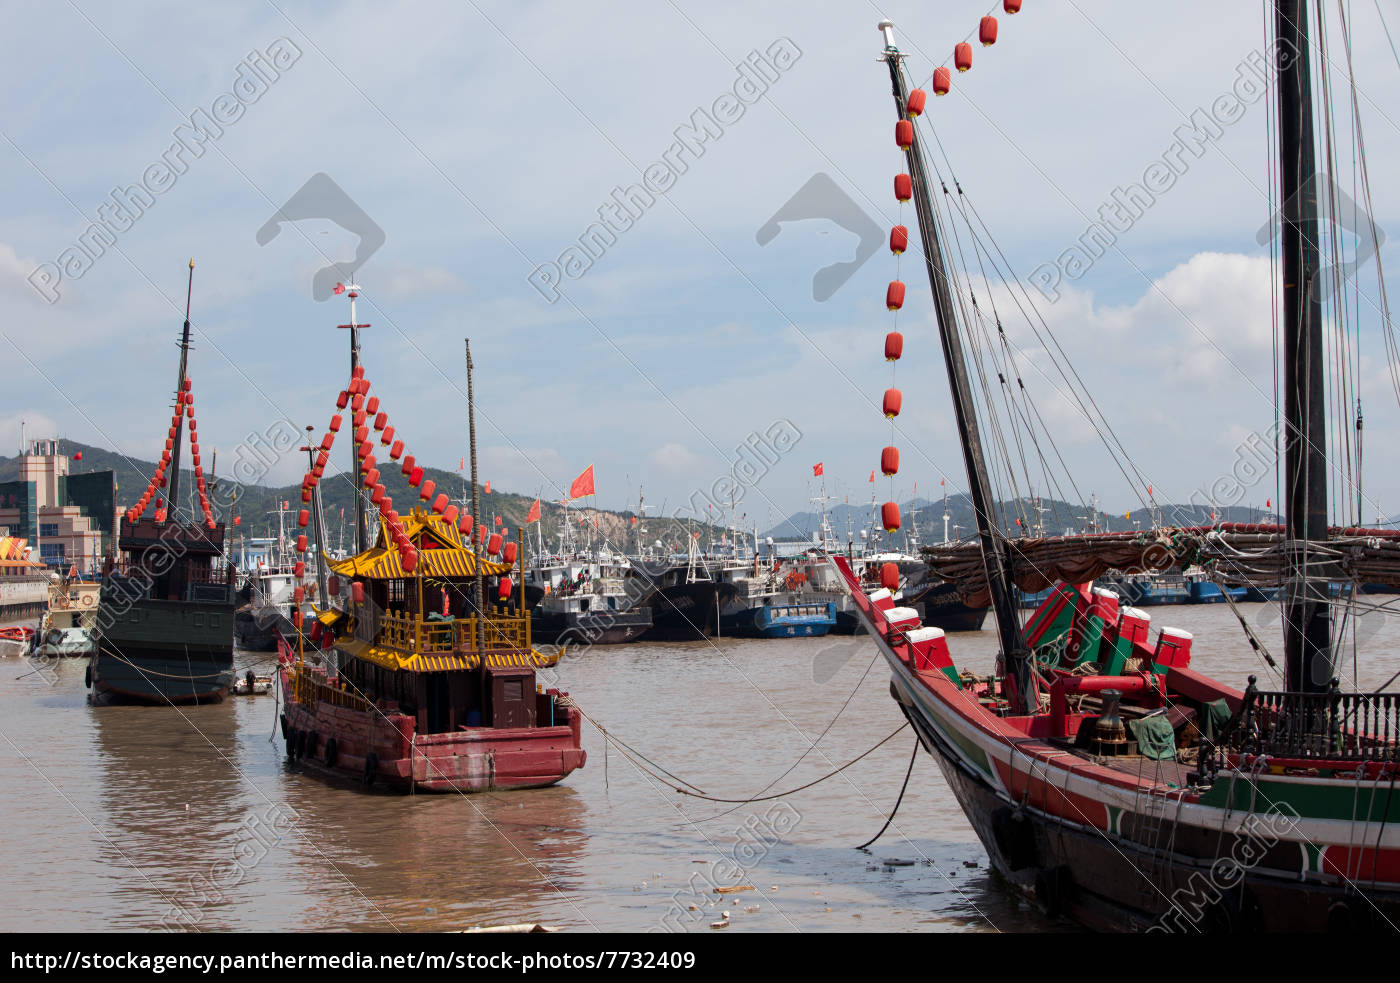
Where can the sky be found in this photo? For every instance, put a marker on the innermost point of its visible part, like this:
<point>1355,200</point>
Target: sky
<point>481,141</point>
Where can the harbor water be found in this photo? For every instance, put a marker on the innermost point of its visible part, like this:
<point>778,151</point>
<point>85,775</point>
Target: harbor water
<point>140,818</point>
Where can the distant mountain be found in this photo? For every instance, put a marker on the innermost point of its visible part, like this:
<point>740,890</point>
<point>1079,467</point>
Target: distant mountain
<point>252,503</point>
<point>1057,517</point>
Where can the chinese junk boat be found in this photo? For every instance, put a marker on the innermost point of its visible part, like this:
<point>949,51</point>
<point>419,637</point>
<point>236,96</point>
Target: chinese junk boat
<point>416,682</point>
<point>164,631</point>
<point>1107,778</point>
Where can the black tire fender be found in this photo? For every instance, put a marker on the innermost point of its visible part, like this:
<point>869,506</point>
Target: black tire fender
<point>371,769</point>
<point>332,752</point>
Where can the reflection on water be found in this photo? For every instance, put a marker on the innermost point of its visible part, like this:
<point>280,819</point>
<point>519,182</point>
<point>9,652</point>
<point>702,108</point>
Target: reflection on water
<point>138,818</point>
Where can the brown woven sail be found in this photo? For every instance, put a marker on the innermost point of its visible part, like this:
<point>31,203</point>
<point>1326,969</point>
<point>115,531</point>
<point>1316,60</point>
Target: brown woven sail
<point>1232,553</point>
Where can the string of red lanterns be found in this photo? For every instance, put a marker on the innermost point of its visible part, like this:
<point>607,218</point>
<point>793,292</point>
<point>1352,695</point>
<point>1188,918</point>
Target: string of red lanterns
<point>184,406</point>
<point>962,58</point>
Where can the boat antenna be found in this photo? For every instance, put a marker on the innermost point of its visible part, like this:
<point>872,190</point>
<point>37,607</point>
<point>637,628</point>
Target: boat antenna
<point>172,497</point>
<point>1016,656</point>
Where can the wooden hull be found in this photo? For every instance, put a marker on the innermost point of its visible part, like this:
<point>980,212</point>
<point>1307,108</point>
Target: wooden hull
<point>1142,847</point>
<point>163,652</point>
<point>381,749</point>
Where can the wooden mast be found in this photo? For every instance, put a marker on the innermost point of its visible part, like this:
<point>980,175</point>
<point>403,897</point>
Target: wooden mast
<point>172,497</point>
<point>1307,618</point>
<point>1015,654</point>
<point>360,531</point>
<point>476,514</point>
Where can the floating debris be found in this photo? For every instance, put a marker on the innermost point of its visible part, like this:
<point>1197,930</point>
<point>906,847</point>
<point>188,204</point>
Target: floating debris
<point>895,862</point>
<point>973,864</point>
<point>723,924</point>
<point>751,908</point>
<point>735,889</point>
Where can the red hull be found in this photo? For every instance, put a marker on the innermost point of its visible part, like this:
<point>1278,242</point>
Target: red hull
<point>470,759</point>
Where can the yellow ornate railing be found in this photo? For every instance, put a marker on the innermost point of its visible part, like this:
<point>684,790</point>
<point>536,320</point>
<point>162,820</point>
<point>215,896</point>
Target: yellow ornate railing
<point>406,633</point>
<point>310,689</point>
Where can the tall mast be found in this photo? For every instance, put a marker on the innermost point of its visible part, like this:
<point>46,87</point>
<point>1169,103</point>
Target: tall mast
<point>354,328</point>
<point>1015,657</point>
<point>172,498</point>
<point>1307,619</point>
<point>476,511</point>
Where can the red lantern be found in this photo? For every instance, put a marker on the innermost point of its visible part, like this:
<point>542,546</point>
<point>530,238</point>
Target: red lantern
<point>364,449</point>
<point>335,425</point>
<point>359,419</point>
<point>358,402</point>
<point>371,477</point>
<point>893,401</point>
<point>962,56</point>
<point>493,545</point>
<point>396,450</point>
<point>987,32</point>
<point>904,133</point>
<point>299,569</point>
<point>301,543</point>
<point>343,400</point>
<point>465,525</point>
<point>449,515</point>
<point>372,405</point>
<point>942,80</point>
<point>296,618</point>
<point>889,461</point>
<point>369,463</point>
<point>894,346</point>
<point>376,497</point>
<point>899,239</point>
<point>303,517</point>
<point>415,476</point>
<point>381,420</point>
<point>426,492</point>
<point>387,437</point>
<point>316,628</point>
<point>889,576</point>
<point>299,595</point>
<point>903,187</point>
<point>357,592</point>
<point>327,442</point>
<point>917,99</point>
<point>386,508</point>
<point>889,517</point>
<point>509,554</point>
<point>358,372</point>
<point>894,296</point>
<point>333,585</point>
<point>321,460</point>
<point>440,504</point>
<point>1011,6</point>
<point>407,466</point>
<point>188,383</point>
<point>410,559</point>
<point>503,592</point>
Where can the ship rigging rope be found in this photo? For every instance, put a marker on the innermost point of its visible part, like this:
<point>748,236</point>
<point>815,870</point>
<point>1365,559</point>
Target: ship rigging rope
<point>152,672</point>
<point>775,795</point>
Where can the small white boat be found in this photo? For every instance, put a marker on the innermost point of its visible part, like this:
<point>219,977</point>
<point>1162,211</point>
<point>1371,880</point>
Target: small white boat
<point>251,685</point>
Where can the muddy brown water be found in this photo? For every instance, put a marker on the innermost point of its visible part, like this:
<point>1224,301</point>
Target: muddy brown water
<point>140,818</point>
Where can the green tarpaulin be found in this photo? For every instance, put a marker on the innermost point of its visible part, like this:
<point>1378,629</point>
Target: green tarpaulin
<point>1154,736</point>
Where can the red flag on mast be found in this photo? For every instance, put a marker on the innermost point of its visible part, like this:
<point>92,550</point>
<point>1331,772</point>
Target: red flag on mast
<point>817,469</point>
<point>583,484</point>
<point>534,514</point>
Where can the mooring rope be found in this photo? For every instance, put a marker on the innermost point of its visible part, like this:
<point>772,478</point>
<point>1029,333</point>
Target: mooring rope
<point>903,788</point>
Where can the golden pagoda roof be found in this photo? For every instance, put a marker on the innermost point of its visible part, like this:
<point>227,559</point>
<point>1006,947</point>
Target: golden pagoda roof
<point>442,552</point>
<point>392,658</point>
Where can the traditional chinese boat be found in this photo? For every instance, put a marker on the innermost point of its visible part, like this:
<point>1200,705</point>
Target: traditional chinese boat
<point>415,681</point>
<point>1107,778</point>
<point>164,631</point>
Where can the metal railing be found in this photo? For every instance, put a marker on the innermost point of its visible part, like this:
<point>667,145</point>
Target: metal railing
<point>310,688</point>
<point>1332,725</point>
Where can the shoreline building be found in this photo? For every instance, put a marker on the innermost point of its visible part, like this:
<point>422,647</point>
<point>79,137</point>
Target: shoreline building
<point>70,517</point>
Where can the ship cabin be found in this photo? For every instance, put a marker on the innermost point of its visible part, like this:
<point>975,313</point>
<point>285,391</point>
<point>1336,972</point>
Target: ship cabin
<point>170,561</point>
<point>413,641</point>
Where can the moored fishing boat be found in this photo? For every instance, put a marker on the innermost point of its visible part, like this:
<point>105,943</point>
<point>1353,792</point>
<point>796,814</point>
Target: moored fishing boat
<point>164,629</point>
<point>1106,777</point>
<point>415,681</point>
